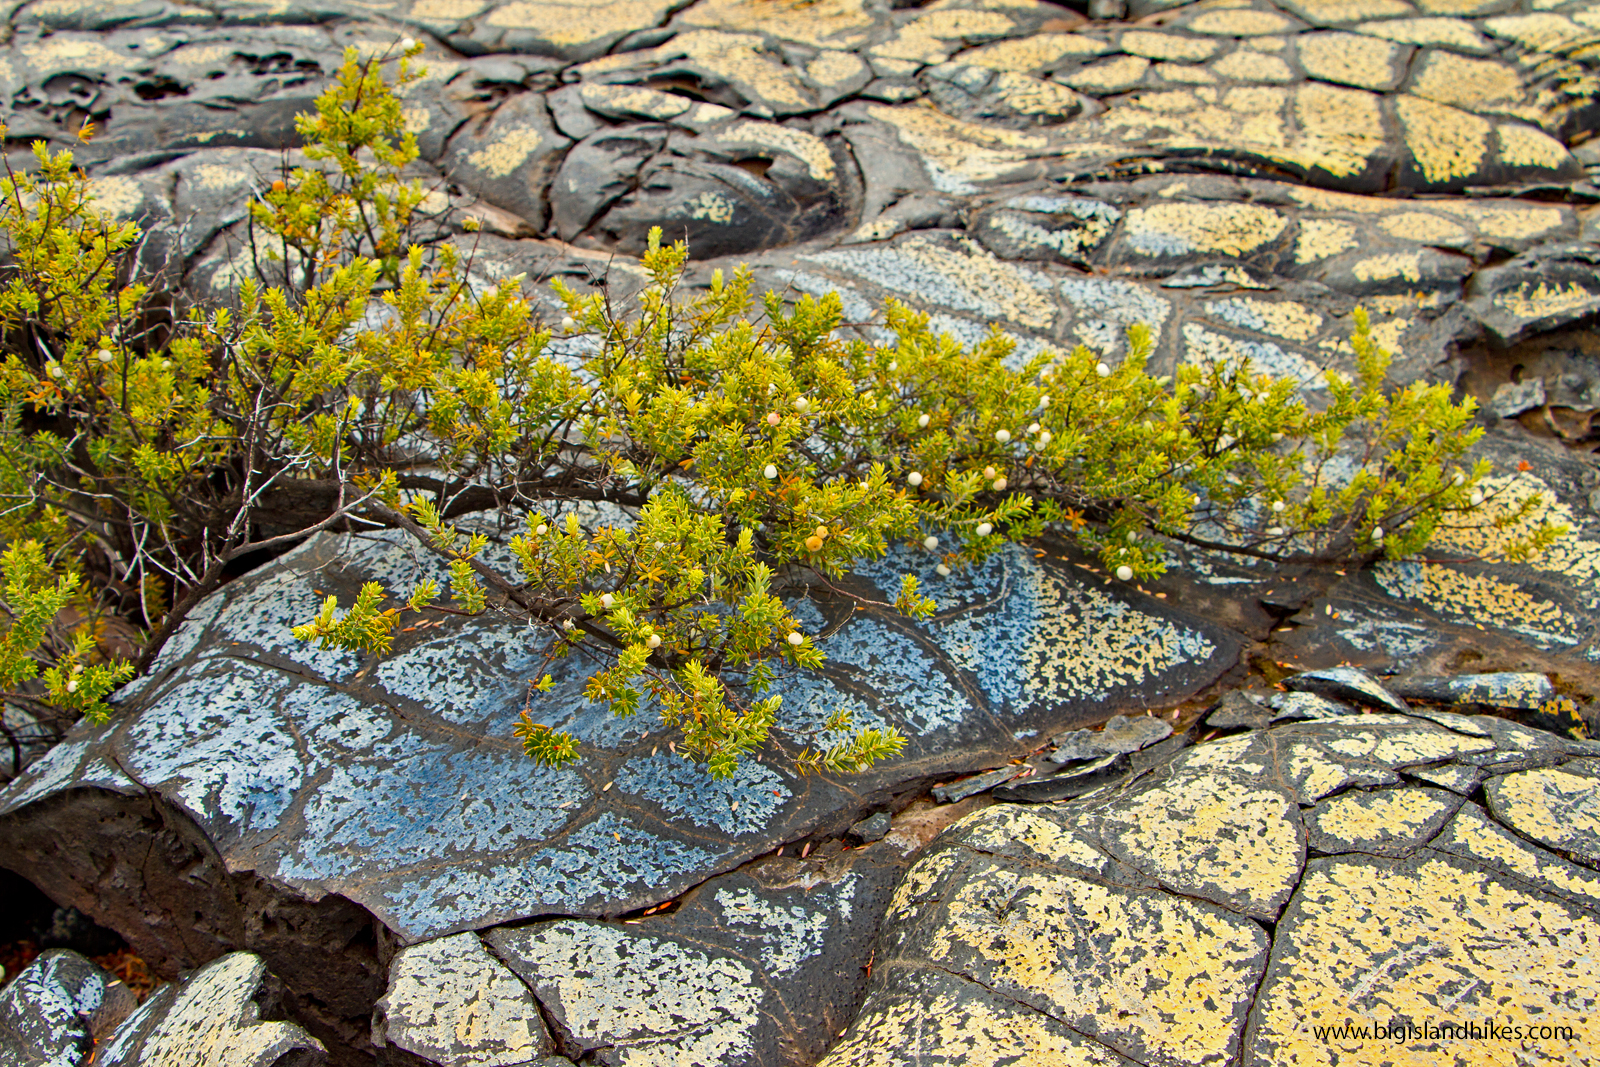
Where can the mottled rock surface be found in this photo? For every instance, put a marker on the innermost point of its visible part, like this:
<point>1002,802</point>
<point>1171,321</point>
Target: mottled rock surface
<point>64,1011</point>
<point>1217,909</point>
<point>1240,176</point>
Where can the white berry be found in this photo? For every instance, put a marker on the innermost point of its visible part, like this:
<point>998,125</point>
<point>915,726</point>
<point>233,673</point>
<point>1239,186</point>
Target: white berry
<point>541,529</point>
<point>998,484</point>
<point>914,479</point>
<point>801,403</point>
<point>1002,436</point>
<point>795,638</point>
<point>942,571</point>
<point>104,355</point>
<point>770,471</point>
<point>985,529</point>
<point>653,641</point>
<point>1278,507</point>
<point>1103,369</point>
<point>606,600</point>
<point>1124,572</point>
<point>930,542</point>
<point>922,421</point>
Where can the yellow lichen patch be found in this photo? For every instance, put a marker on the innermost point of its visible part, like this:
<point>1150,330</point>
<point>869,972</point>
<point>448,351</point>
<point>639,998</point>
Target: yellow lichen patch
<point>1223,755</point>
<point>446,10</point>
<point>67,52</point>
<point>1387,267</point>
<point>1551,806</point>
<point>1249,66</point>
<point>918,883</point>
<point>1169,980</point>
<point>1354,820</point>
<point>1460,7</point>
<point>1007,827</point>
<point>1524,146</point>
<point>1448,144</point>
<point>1341,130</point>
<point>1424,228</point>
<point>510,150</point>
<point>1505,222</point>
<point>1336,12</point>
<point>993,281</point>
<point>966,149</point>
<point>930,38</point>
<point>806,147</point>
<point>1472,833</point>
<point>1478,599</point>
<point>1472,84</point>
<point>118,196</point>
<point>1429,940</point>
<point>581,21</point>
<point>632,100</point>
<point>741,59</point>
<point>1111,75</point>
<point>1532,300</point>
<point>1322,239</point>
<point>1266,44</point>
<point>1280,318</point>
<point>1406,746</point>
<point>1209,835</point>
<point>1240,23</point>
<point>1313,774</point>
<point>831,67</point>
<point>1034,96</point>
<point>956,1028</point>
<point>710,206</point>
<point>1185,74</point>
<point>1223,229</point>
<point>1024,54</point>
<point>1350,59</point>
<point>1541,32</point>
<point>820,23</point>
<point>1446,33</point>
<point>1166,46</point>
<point>1573,557</point>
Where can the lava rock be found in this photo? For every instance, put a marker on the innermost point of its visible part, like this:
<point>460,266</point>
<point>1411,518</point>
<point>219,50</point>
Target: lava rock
<point>1351,683</point>
<point>1518,692</point>
<point>57,1008</point>
<point>873,828</point>
<point>1236,709</point>
<point>1071,782</point>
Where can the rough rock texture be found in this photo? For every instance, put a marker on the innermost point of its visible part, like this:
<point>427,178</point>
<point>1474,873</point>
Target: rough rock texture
<point>1217,909</point>
<point>1237,175</point>
<point>63,1011</point>
<point>249,762</point>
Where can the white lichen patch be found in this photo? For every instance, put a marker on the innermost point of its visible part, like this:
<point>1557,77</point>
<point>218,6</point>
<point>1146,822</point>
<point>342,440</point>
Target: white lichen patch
<point>210,1019</point>
<point>450,1001</point>
<point>655,1002</point>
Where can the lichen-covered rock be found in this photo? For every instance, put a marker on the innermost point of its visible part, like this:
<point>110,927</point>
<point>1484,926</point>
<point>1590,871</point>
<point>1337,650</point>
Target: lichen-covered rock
<point>64,1011</point>
<point>54,1012</point>
<point>1119,926</point>
<point>452,1003</point>
<point>263,754</point>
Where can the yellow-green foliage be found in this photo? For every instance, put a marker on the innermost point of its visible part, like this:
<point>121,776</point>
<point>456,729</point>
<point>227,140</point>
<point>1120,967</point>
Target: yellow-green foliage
<point>750,449</point>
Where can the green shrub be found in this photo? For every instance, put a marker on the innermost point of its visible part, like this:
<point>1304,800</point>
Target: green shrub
<point>750,451</point>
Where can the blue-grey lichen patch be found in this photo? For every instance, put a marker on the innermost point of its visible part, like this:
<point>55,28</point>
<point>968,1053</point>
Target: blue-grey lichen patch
<point>1384,822</point>
<point>210,1017</point>
<point>450,1002</point>
<point>743,804</point>
<point>1551,806</point>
